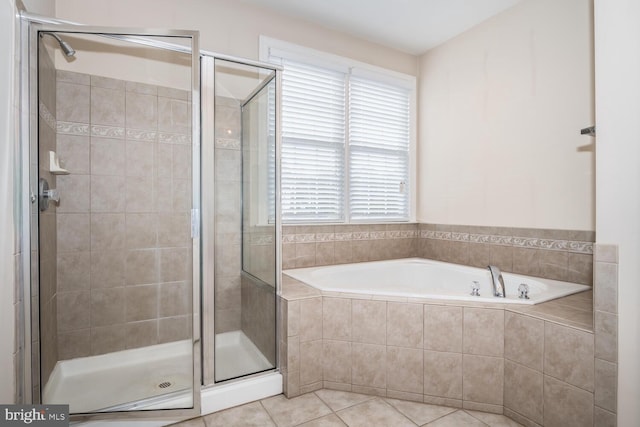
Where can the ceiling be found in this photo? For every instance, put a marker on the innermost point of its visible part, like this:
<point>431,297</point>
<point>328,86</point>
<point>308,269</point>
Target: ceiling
<point>411,26</point>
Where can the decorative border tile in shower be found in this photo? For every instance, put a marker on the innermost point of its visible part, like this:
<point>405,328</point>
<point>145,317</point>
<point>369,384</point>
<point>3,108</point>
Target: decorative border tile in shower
<point>114,132</point>
<point>228,143</point>
<point>260,239</point>
<point>142,135</point>
<point>174,138</point>
<point>71,128</point>
<point>46,115</point>
<point>524,242</point>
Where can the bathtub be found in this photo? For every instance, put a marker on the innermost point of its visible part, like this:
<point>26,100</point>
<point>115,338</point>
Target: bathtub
<point>423,278</point>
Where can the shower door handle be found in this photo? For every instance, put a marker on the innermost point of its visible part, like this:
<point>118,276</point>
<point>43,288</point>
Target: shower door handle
<point>46,194</point>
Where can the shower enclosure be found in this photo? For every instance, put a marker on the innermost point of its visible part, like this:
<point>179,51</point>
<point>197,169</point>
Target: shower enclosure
<point>153,268</point>
<point>244,220</point>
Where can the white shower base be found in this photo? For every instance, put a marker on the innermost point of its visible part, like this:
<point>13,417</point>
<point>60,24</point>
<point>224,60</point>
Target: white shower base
<point>236,355</point>
<point>97,383</point>
<point>112,381</point>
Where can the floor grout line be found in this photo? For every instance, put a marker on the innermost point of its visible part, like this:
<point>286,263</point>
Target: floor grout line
<point>336,413</point>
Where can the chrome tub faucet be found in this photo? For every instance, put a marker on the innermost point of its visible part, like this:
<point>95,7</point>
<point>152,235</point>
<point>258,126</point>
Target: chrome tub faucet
<point>497,282</point>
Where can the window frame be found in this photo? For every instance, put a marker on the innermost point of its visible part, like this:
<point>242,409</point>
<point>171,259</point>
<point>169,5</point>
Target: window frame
<point>363,70</point>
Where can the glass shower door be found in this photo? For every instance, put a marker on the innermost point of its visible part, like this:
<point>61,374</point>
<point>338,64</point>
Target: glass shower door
<point>116,170</point>
<point>245,267</point>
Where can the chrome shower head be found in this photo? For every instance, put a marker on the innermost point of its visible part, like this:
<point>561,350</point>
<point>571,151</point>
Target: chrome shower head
<point>66,48</point>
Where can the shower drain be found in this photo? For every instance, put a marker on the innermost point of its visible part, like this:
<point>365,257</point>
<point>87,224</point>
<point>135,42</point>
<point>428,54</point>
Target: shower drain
<point>164,384</point>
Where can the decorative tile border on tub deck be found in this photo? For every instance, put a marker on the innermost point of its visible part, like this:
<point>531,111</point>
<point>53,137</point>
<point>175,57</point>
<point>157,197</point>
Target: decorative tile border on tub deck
<point>565,255</point>
<point>523,242</point>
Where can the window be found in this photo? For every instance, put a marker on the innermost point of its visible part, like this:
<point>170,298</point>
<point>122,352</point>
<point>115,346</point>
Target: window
<point>346,140</point>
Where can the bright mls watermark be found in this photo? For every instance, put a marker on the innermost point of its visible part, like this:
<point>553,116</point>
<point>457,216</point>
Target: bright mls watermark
<point>34,415</point>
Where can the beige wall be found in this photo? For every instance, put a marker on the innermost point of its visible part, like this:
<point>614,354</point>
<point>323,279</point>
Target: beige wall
<point>230,27</point>
<point>617,44</point>
<point>501,110</point>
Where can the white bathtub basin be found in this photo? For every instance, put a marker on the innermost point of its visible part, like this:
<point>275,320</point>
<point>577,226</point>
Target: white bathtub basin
<point>423,278</point>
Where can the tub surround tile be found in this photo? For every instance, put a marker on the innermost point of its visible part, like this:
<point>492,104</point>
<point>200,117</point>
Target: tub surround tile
<point>566,405</point>
<point>310,362</point>
<point>524,340</point>
<point>523,391</point>
<point>368,367</point>
<point>369,321</point>
<point>606,253</point>
<point>525,261</point>
<point>604,418</point>
<point>293,289</point>
<point>336,359</point>
<point>405,325</point>
<point>606,336</point>
<point>443,375</point>
<point>483,332</point>
<point>443,328</point>
<point>325,253</point>
<point>336,319</point>
<point>569,355</point>
<point>580,268</point>
<point>606,375</point>
<point>403,368</point>
<point>605,296</point>
<point>311,319</point>
<point>457,379</point>
<point>554,264</point>
<point>502,257</point>
<point>483,379</point>
<point>479,254</point>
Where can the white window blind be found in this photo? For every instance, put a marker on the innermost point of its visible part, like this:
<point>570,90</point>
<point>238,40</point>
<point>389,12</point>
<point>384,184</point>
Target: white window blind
<point>345,143</point>
<point>313,140</point>
<point>378,150</point>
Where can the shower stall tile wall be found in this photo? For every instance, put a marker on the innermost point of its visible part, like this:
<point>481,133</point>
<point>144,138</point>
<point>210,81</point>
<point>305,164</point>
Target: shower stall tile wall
<point>48,295</point>
<point>123,242</point>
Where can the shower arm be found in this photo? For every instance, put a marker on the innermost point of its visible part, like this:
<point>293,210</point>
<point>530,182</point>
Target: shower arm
<point>145,41</point>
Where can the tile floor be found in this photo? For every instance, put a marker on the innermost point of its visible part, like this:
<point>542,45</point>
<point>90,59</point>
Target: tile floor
<point>329,408</point>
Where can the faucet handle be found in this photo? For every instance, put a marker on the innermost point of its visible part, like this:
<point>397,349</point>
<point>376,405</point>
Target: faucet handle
<point>475,288</point>
<point>523,291</point>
